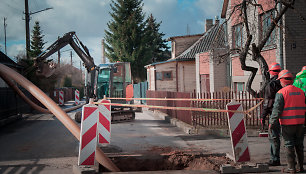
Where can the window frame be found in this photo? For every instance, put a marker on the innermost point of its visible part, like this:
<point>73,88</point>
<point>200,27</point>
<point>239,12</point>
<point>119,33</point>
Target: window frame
<point>236,86</point>
<point>161,75</point>
<point>265,18</point>
<point>235,43</point>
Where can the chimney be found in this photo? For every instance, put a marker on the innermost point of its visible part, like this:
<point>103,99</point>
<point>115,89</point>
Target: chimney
<point>103,52</point>
<point>208,24</point>
<point>217,21</point>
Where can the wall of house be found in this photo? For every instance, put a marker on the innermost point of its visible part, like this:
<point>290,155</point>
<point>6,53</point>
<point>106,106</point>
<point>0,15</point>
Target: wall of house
<point>166,85</point>
<point>202,67</point>
<point>180,44</point>
<point>204,62</point>
<point>186,76</point>
<point>151,77</point>
<point>218,72</point>
<point>295,37</point>
<point>270,54</point>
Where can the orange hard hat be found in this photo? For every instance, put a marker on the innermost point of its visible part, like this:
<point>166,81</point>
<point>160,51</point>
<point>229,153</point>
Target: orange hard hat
<point>274,69</point>
<point>285,77</point>
<point>274,66</point>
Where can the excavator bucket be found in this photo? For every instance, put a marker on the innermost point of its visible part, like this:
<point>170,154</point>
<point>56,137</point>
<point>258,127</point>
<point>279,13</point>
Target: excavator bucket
<point>45,69</point>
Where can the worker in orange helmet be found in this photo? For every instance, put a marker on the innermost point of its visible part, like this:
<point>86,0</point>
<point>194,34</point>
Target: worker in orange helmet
<point>289,109</point>
<point>274,134</point>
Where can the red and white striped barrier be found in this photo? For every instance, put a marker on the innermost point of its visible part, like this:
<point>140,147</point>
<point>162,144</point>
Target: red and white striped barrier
<point>104,125</point>
<point>88,137</point>
<point>77,97</point>
<point>61,98</point>
<point>238,132</point>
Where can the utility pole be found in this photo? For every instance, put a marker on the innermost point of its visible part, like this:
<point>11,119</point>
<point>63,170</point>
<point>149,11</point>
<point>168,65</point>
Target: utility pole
<point>58,57</point>
<point>103,52</point>
<point>5,35</point>
<point>27,24</point>
<point>81,71</point>
<point>71,57</point>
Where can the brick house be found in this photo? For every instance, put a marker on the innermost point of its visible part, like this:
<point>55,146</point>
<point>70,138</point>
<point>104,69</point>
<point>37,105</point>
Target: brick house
<point>178,74</point>
<point>287,45</point>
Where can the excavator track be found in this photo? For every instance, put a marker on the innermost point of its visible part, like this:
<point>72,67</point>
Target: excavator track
<point>123,116</point>
<point>117,116</point>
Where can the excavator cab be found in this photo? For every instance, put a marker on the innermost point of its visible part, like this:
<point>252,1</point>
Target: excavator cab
<point>114,80</point>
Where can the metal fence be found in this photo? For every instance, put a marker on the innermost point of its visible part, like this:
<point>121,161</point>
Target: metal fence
<point>140,91</point>
<point>207,119</point>
<point>11,104</point>
<point>219,119</point>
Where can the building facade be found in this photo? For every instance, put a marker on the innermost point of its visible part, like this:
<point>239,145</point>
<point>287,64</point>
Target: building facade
<point>286,45</point>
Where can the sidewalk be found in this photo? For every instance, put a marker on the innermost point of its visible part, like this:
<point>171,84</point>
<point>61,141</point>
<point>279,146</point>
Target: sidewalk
<point>208,139</point>
<point>24,151</point>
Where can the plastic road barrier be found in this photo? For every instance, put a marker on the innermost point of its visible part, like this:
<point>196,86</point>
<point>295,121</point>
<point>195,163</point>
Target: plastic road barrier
<point>77,97</point>
<point>88,138</point>
<point>61,98</point>
<point>104,124</point>
<point>238,132</point>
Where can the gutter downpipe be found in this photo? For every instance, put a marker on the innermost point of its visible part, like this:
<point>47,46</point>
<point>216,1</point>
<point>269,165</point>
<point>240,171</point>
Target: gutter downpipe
<point>281,40</point>
<point>56,110</point>
<point>176,66</point>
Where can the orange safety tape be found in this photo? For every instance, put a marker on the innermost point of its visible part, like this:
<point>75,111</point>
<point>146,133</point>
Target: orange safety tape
<point>173,108</point>
<point>254,107</point>
<point>182,99</point>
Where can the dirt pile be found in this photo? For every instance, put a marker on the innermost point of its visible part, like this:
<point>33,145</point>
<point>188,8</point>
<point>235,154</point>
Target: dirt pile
<point>163,159</point>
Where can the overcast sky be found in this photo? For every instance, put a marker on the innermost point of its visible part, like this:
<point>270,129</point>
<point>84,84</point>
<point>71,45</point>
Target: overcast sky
<point>89,20</point>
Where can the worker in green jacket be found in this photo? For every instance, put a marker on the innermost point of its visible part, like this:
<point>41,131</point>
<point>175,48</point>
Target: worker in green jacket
<point>300,82</point>
<point>289,111</point>
<point>300,79</point>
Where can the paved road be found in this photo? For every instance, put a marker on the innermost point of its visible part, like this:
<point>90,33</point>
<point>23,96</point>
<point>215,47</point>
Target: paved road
<point>41,144</point>
<point>37,144</point>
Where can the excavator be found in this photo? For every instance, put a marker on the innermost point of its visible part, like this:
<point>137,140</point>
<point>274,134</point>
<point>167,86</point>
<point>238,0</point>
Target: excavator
<point>105,80</point>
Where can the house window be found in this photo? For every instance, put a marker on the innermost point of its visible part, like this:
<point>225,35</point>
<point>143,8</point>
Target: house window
<point>159,76</point>
<point>237,36</point>
<point>266,20</point>
<point>239,86</point>
<point>167,75</point>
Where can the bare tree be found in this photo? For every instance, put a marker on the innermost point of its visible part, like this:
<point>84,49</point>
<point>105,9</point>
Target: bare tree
<point>250,47</point>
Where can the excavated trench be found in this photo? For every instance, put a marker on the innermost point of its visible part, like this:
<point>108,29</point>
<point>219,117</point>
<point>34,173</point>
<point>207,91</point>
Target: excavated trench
<point>173,160</point>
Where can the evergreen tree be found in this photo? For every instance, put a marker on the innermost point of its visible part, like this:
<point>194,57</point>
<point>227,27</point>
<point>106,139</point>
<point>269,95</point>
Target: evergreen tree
<point>157,46</point>
<point>37,42</point>
<point>37,46</point>
<point>125,37</point>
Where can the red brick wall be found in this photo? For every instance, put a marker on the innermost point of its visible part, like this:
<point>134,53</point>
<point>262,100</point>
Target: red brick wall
<point>204,63</point>
<point>266,5</point>
<point>236,18</point>
<point>270,56</point>
<point>237,71</point>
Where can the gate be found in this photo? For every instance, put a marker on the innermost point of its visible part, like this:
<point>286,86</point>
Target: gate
<point>140,91</point>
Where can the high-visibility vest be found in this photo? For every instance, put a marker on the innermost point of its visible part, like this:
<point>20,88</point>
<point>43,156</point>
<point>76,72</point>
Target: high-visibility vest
<point>294,106</point>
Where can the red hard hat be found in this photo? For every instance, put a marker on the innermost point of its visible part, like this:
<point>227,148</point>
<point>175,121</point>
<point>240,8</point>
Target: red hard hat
<point>285,77</point>
<point>274,66</point>
<point>274,69</point>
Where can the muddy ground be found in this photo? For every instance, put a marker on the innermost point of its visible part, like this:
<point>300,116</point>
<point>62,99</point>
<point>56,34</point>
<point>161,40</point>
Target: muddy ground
<point>166,158</point>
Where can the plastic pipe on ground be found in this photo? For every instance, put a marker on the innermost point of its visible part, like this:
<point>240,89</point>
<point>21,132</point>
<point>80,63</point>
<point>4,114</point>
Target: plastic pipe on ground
<point>30,102</point>
<point>56,110</point>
